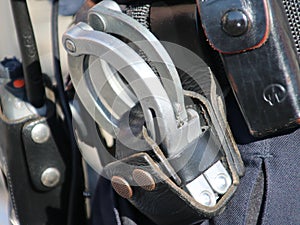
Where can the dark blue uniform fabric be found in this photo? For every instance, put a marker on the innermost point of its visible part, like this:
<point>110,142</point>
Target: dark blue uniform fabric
<point>272,162</point>
<point>279,159</point>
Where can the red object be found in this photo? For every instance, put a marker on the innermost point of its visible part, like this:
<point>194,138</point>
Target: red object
<point>19,83</point>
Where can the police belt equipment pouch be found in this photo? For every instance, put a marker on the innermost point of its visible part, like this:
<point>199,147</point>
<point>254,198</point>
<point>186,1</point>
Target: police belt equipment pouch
<point>174,157</point>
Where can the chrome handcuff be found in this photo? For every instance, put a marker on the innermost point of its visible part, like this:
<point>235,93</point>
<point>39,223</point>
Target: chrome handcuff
<point>116,63</point>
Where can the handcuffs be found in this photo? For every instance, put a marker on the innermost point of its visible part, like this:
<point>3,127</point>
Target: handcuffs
<point>182,170</point>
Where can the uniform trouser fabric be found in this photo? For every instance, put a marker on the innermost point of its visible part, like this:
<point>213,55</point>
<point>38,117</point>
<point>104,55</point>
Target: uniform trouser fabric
<point>269,193</point>
<point>278,159</point>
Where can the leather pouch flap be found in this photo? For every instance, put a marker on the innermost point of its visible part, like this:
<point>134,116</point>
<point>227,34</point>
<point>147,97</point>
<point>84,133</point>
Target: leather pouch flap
<point>235,26</point>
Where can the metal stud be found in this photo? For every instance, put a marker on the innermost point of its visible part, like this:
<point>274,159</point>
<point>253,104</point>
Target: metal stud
<point>144,179</point>
<point>121,186</point>
<point>40,133</point>
<point>218,178</point>
<point>207,198</point>
<point>201,191</point>
<point>235,22</point>
<point>50,177</point>
<point>70,46</point>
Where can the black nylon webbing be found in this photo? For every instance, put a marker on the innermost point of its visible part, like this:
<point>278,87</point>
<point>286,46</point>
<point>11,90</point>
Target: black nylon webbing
<point>139,12</point>
<point>292,8</point>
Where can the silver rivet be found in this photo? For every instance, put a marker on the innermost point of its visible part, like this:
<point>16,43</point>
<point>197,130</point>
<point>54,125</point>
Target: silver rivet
<point>50,177</point>
<point>40,133</point>
<point>70,46</point>
<point>221,182</point>
<point>206,198</point>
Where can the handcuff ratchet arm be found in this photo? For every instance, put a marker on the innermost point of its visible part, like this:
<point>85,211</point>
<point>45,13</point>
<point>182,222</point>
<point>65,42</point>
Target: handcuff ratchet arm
<point>106,17</point>
<point>161,97</point>
<point>82,41</point>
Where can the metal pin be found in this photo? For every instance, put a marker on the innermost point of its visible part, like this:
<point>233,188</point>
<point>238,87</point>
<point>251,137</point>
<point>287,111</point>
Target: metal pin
<point>40,133</point>
<point>70,46</point>
<point>50,177</point>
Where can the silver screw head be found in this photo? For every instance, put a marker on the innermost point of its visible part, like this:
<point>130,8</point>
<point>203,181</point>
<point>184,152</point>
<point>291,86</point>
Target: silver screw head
<point>206,198</point>
<point>222,183</point>
<point>40,133</point>
<point>50,177</point>
<point>70,46</point>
